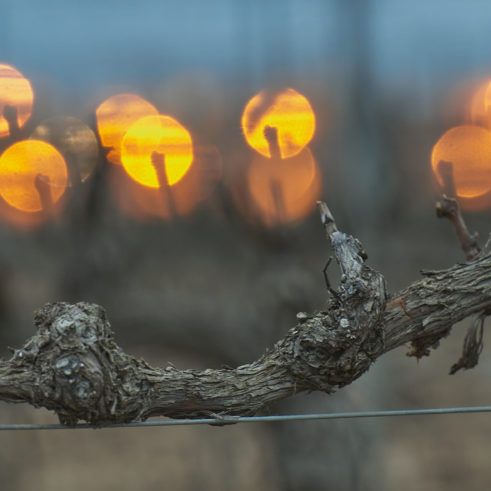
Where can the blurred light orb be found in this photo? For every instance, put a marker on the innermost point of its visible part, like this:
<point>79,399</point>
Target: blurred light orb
<point>143,202</point>
<point>288,111</point>
<point>480,105</point>
<point>15,91</point>
<point>74,139</point>
<point>21,163</point>
<point>468,148</point>
<point>115,116</point>
<point>284,191</point>
<point>487,99</point>
<point>162,134</point>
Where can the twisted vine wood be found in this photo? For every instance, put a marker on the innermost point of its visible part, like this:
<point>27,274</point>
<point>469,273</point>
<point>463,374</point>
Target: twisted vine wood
<point>72,365</point>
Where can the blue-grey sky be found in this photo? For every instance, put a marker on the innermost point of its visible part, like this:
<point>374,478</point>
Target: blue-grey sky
<point>408,46</point>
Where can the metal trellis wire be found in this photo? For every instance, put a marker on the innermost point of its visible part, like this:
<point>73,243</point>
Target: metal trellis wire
<point>219,420</point>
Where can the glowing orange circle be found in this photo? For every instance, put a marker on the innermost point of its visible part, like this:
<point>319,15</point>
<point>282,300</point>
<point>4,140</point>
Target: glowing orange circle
<point>284,191</point>
<point>21,163</point>
<point>15,91</point>
<point>469,149</point>
<point>115,116</point>
<point>71,136</point>
<point>479,110</point>
<point>288,111</point>
<point>161,134</point>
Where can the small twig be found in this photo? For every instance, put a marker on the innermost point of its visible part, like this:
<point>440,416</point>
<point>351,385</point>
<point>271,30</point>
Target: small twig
<point>74,173</point>
<point>42,184</point>
<point>271,135</point>
<point>473,345</point>
<point>278,200</point>
<point>449,208</point>
<point>324,271</point>
<point>10,115</point>
<point>445,169</point>
<point>158,163</point>
<point>331,290</point>
<point>326,218</point>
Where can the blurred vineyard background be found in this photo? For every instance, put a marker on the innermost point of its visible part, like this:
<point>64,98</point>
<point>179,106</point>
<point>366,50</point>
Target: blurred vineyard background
<point>215,273</point>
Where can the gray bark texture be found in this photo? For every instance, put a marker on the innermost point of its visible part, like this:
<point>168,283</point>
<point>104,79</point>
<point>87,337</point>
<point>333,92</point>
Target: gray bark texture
<point>73,366</point>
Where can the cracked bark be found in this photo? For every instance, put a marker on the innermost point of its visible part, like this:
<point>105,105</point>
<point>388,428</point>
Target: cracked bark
<point>73,366</point>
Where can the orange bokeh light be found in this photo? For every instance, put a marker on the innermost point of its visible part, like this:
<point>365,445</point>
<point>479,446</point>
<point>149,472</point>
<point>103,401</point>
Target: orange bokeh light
<point>15,91</point>
<point>157,134</point>
<point>115,116</point>
<point>468,148</point>
<point>480,105</point>
<point>25,162</point>
<point>286,190</point>
<point>288,111</point>
<point>143,202</point>
<point>75,141</point>
<point>487,99</point>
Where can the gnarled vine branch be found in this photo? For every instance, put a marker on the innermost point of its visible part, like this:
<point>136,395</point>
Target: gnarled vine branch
<point>73,366</point>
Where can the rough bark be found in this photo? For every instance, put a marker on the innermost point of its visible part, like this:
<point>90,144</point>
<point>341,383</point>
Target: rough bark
<point>73,366</point>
